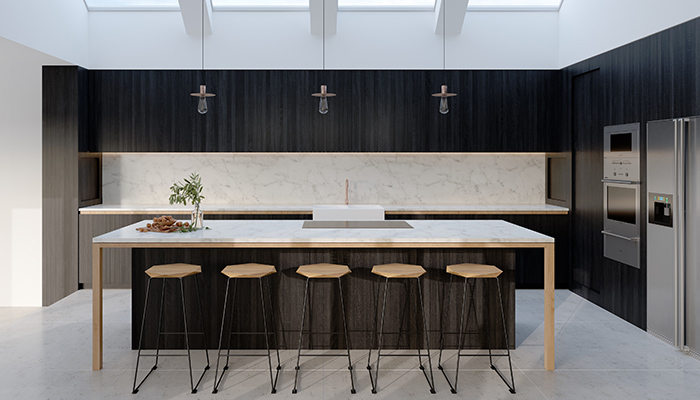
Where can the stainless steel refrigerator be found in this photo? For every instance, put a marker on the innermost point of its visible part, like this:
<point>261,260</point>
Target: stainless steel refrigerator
<point>673,231</point>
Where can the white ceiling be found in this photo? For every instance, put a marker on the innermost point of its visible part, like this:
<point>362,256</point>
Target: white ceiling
<point>364,40</point>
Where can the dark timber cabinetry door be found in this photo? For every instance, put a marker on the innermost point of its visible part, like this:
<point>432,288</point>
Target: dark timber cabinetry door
<point>587,217</point>
<point>61,121</point>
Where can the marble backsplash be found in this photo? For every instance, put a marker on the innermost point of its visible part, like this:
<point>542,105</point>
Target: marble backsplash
<point>319,178</point>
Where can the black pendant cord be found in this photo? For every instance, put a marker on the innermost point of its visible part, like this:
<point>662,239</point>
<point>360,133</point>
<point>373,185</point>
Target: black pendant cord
<point>203,74</point>
<point>323,74</point>
<point>444,51</point>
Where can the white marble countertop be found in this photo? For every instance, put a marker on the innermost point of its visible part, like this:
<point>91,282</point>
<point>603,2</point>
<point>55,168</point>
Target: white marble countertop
<point>289,233</point>
<point>307,209</point>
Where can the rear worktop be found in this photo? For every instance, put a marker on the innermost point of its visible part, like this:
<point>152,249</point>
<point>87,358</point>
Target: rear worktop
<point>305,209</point>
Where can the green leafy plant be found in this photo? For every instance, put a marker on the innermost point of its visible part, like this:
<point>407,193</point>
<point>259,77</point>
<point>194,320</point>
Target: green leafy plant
<point>191,190</point>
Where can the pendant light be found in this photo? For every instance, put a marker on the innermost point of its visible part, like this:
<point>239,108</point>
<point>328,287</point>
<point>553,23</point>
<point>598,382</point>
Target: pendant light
<point>324,95</point>
<point>202,107</point>
<point>443,95</point>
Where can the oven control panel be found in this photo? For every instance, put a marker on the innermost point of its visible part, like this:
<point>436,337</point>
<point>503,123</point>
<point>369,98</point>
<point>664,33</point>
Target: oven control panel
<point>619,168</point>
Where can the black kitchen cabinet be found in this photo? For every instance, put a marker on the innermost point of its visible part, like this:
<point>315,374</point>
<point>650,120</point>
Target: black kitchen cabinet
<point>374,111</point>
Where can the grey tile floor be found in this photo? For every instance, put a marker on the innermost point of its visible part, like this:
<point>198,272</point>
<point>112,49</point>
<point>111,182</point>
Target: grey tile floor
<point>46,354</point>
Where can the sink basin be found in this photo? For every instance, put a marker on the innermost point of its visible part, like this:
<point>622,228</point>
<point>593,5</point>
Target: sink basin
<point>352,212</point>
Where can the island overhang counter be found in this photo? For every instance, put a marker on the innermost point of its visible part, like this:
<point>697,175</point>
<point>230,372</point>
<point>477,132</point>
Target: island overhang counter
<point>290,234</point>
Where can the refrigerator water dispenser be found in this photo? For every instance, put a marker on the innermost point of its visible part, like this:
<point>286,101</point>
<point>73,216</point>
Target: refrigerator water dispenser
<point>661,209</point>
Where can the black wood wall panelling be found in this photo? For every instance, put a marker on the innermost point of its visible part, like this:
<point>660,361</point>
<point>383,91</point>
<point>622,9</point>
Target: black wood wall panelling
<point>650,79</point>
<point>375,111</point>
<point>60,125</point>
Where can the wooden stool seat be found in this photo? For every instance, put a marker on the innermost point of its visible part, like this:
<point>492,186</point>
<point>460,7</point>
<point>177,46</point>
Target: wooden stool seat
<point>178,270</point>
<point>469,270</point>
<point>323,270</point>
<point>398,270</point>
<point>250,270</point>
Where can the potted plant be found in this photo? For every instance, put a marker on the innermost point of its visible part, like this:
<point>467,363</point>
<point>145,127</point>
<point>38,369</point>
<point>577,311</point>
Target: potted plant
<point>191,190</point>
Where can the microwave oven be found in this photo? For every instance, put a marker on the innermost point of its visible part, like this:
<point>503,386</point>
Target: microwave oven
<point>621,152</point>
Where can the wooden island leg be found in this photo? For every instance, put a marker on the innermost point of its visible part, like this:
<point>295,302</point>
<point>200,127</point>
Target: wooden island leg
<point>96,307</point>
<point>549,306</point>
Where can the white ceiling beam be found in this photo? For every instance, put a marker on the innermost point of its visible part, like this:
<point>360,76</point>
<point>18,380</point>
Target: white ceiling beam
<point>191,11</point>
<point>316,16</point>
<point>456,11</point>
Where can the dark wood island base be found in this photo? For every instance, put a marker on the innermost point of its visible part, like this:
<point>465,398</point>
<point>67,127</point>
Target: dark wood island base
<point>360,290</point>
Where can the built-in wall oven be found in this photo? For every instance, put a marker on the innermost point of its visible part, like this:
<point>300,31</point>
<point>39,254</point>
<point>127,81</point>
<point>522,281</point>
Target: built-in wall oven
<point>621,194</point>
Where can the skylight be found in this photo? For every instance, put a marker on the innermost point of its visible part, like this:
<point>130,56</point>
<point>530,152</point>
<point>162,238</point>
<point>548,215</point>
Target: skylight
<point>369,5</point>
<point>514,5</point>
<point>375,5</point>
<point>123,5</point>
<point>260,4</point>
<point>386,4</point>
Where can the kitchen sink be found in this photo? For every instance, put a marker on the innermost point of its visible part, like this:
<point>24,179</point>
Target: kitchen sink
<point>391,224</point>
<point>348,212</point>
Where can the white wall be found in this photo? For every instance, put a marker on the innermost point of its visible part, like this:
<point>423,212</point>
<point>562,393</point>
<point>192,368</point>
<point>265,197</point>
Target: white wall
<point>282,40</point>
<point>141,40</point>
<point>54,27</point>
<point>505,40</point>
<point>591,27</point>
<point>20,161</point>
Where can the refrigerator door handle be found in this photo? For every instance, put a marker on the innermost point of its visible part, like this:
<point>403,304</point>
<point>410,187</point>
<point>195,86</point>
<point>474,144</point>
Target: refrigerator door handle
<point>681,132</point>
<point>631,239</point>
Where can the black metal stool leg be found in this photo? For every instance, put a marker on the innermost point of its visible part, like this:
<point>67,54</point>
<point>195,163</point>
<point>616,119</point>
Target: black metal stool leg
<point>418,324</point>
<point>431,381</point>
<point>204,336</point>
<point>453,388</point>
<point>221,338</point>
<point>187,335</point>
<point>267,336</point>
<point>138,357</point>
<point>462,322</point>
<point>488,320</point>
<point>230,324</point>
<point>274,329</point>
<point>373,338</point>
<point>301,331</point>
<point>381,335</point>
<point>347,339</point>
<point>446,292</point>
<point>160,321</point>
<point>201,319</point>
<point>511,386</point>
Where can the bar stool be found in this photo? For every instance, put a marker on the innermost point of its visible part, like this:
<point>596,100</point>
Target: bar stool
<point>475,271</point>
<point>323,271</point>
<point>399,271</point>
<point>247,271</point>
<point>164,272</point>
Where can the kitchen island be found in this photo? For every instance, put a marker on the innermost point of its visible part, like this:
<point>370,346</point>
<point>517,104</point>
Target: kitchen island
<point>441,240</point>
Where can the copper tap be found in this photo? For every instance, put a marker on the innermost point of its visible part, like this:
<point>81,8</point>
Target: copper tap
<point>347,184</point>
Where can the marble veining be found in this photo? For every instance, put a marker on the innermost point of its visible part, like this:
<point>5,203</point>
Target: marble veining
<point>319,178</point>
<point>290,231</point>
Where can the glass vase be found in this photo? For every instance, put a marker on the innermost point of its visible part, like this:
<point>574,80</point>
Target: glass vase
<point>197,218</point>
